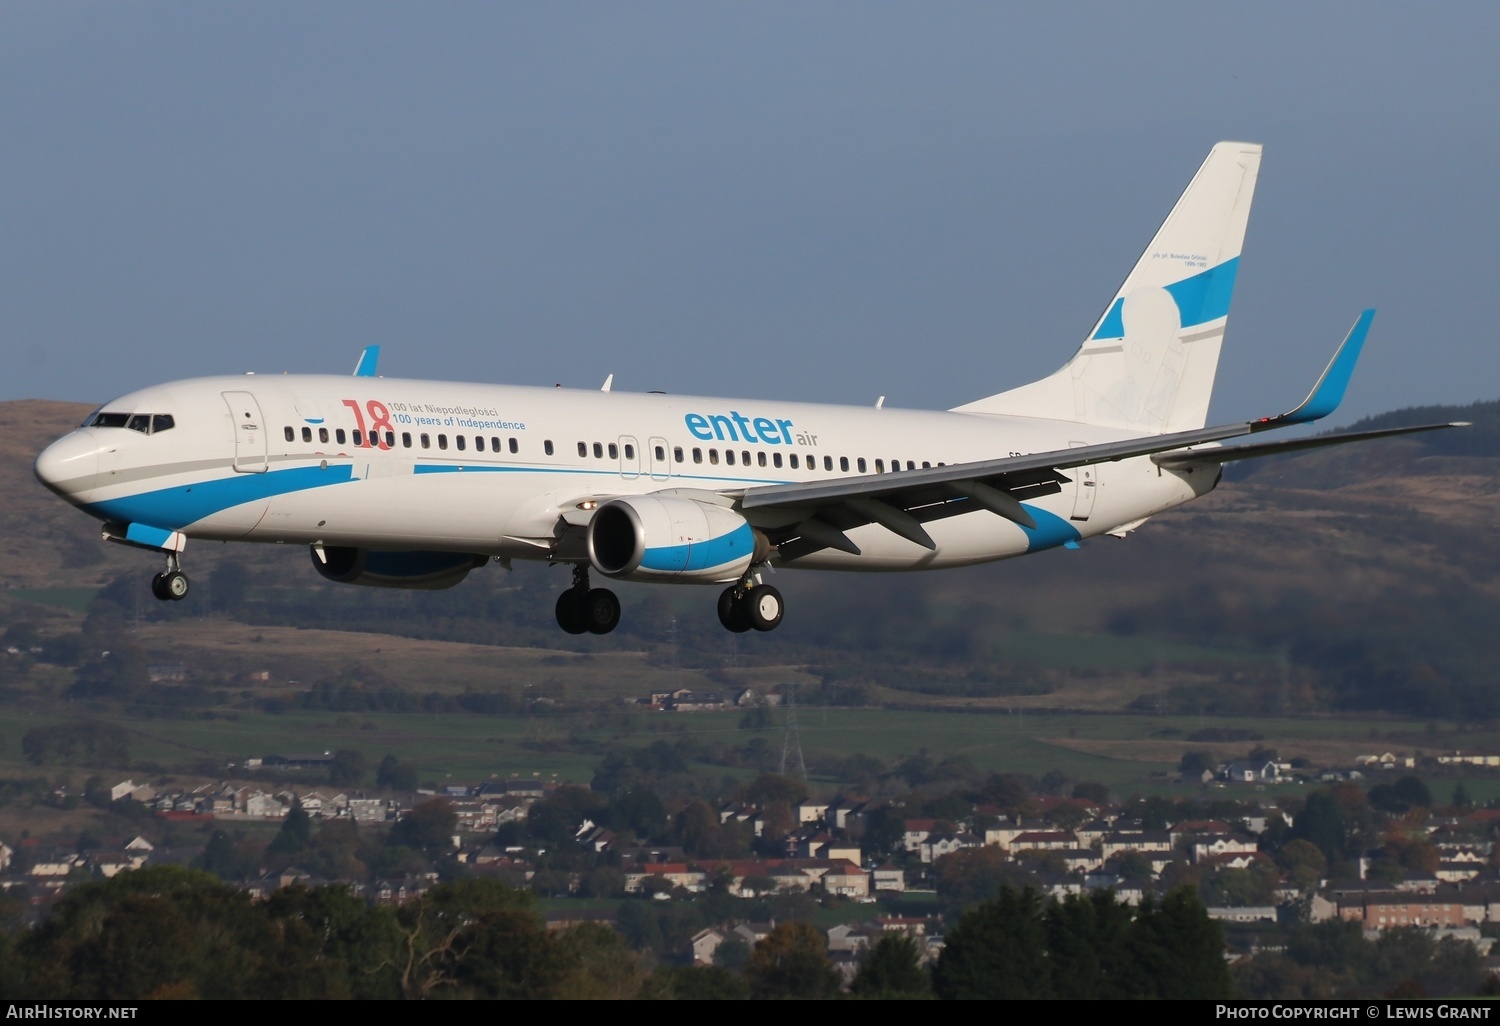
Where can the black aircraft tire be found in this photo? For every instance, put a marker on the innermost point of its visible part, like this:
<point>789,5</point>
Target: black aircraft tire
<point>570,613</point>
<point>732,613</point>
<point>159,588</point>
<point>601,611</point>
<point>763,607</point>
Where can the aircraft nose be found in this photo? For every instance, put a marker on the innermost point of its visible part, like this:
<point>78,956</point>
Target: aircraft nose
<point>70,464</point>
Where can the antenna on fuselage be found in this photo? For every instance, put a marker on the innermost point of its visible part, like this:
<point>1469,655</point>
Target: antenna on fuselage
<point>607,382</point>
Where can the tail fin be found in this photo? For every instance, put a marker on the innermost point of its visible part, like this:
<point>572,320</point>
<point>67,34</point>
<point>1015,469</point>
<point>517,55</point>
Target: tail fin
<point>1149,363</point>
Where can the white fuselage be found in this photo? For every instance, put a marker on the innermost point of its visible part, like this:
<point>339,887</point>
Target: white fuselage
<point>499,470</point>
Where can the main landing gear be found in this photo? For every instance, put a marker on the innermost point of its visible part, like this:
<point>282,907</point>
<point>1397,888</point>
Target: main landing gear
<point>747,606</point>
<point>172,584</point>
<point>582,609</point>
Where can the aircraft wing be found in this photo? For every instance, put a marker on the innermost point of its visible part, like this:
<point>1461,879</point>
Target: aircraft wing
<point>815,514</point>
<point>903,501</point>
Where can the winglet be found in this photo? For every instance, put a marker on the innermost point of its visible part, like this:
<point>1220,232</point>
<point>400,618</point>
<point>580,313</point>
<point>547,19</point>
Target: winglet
<point>1329,391</point>
<point>365,368</point>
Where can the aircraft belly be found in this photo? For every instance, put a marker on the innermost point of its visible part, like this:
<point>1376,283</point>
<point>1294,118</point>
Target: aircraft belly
<point>448,511</point>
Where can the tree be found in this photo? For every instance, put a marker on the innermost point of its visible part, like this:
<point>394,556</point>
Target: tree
<point>892,969</point>
<point>1177,951</point>
<point>295,832</point>
<point>695,983</point>
<point>792,962</point>
<point>427,827</point>
<point>347,769</point>
<point>997,950</point>
<point>1195,763</point>
<point>395,775</point>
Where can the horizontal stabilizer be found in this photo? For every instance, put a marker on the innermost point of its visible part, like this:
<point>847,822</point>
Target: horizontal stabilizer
<point>1229,453</point>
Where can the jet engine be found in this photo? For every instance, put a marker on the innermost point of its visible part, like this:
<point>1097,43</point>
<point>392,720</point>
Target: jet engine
<point>649,537</point>
<point>429,571</point>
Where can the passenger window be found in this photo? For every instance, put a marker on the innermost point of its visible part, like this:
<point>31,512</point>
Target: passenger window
<point>323,435</point>
<point>661,454</point>
<point>458,441</point>
<point>629,451</point>
<point>359,437</point>
<point>161,422</point>
<point>794,461</point>
<point>697,455</point>
<point>307,434</point>
<point>390,439</point>
<point>926,465</point>
<point>339,436</point>
<point>479,443</point>
<point>515,448</point>
<point>760,459</point>
<point>614,451</point>
<point>583,449</point>
<point>713,456</point>
<point>776,460</point>
<point>910,465</point>
<point>406,439</point>
<point>547,447</point>
<point>291,436</point>
<point>494,444</point>
<point>844,464</point>
<point>879,466</point>
<point>861,464</point>
<point>426,440</point>
<point>828,462</point>
<point>729,456</point>
<point>442,441</point>
<point>677,453</point>
<point>598,451</point>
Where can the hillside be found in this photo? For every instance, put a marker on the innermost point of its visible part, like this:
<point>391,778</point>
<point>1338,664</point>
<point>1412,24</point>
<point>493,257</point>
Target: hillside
<point>1330,580</point>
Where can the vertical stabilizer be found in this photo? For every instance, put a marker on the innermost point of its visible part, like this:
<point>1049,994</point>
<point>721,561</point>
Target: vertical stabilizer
<point>1149,363</point>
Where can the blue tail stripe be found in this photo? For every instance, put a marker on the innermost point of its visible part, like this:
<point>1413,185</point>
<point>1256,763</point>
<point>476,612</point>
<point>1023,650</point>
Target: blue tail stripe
<point>1201,298</point>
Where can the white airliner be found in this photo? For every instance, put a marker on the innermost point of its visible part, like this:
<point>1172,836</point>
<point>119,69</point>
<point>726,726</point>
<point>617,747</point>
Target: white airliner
<point>412,484</point>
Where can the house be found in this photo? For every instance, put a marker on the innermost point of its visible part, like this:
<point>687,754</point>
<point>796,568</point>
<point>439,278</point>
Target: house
<point>811,811</point>
<point>915,831</point>
<point>704,944</point>
<point>888,878</point>
<point>1260,771</point>
<point>1205,848</point>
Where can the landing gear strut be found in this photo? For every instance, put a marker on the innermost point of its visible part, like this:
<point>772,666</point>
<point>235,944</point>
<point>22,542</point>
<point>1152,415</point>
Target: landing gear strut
<point>746,606</point>
<point>582,609</point>
<point>171,585</point>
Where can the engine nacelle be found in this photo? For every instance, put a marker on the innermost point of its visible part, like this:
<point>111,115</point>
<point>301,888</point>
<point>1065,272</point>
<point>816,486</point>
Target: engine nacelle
<point>429,571</point>
<point>649,537</point>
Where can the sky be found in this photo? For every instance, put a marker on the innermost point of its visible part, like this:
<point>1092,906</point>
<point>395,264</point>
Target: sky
<point>812,201</point>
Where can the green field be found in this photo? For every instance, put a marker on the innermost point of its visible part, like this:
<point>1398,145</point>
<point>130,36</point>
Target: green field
<point>75,600</point>
<point>1119,751</point>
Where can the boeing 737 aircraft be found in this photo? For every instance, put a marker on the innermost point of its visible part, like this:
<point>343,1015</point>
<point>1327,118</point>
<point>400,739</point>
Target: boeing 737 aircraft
<point>413,484</point>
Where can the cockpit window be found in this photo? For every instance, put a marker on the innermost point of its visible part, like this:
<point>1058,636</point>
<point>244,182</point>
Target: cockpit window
<point>145,423</point>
